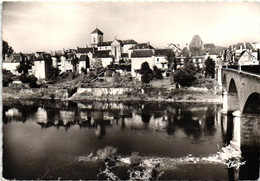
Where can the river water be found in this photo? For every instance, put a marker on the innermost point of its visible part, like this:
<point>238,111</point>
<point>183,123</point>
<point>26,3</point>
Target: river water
<point>44,139</point>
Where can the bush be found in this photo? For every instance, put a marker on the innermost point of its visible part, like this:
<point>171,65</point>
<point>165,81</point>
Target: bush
<point>146,78</point>
<point>157,73</point>
<point>7,77</point>
<point>117,78</point>
<point>184,76</point>
<point>31,79</point>
<point>210,68</point>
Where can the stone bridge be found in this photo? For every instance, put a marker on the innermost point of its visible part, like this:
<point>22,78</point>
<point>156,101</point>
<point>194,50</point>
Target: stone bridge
<point>241,91</point>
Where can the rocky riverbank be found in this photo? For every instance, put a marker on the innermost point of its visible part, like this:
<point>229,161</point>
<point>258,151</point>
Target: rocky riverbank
<point>196,95</point>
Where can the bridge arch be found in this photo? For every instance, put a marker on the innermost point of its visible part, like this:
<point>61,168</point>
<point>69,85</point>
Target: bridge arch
<point>232,88</point>
<point>252,104</point>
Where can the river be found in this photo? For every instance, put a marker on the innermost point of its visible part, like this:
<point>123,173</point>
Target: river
<point>44,139</point>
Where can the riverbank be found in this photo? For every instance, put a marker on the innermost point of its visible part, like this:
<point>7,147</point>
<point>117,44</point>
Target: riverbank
<point>194,95</point>
<point>153,168</point>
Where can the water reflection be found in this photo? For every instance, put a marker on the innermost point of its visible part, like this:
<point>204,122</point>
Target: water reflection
<point>243,133</point>
<point>146,128</point>
<point>194,122</point>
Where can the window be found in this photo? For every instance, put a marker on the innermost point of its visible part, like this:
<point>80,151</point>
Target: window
<point>157,59</point>
<point>94,40</point>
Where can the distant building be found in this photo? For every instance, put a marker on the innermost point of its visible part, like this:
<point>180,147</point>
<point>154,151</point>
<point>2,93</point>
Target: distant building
<point>11,63</point>
<point>42,66</point>
<point>84,63</point>
<point>96,37</point>
<point>233,53</point>
<point>247,58</point>
<point>154,57</point>
<point>139,57</point>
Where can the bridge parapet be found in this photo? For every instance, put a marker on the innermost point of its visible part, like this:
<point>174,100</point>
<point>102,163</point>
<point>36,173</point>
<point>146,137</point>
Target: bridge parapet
<point>240,85</point>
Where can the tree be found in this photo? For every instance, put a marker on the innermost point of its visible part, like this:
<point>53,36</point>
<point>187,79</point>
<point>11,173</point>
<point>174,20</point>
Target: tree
<point>98,65</point>
<point>185,76</point>
<point>146,72</point>
<point>6,49</point>
<point>117,78</point>
<point>25,64</point>
<point>7,77</point>
<point>31,79</point>
<point>145,68</point>
<point>157,73</point>
<point>210,68</point>
<point>54,72</point>
<point>75,62</point>
<point>171,60</point>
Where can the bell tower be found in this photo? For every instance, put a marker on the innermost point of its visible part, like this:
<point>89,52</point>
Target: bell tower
<point>96,37</point>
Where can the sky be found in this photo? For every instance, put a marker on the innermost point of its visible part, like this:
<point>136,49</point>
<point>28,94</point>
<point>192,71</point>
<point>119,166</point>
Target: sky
<point>49,26</point>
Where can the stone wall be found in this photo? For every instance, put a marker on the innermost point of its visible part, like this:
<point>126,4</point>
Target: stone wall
<point>34,93</point>
<point>250,131</point>
<point>103,91</point>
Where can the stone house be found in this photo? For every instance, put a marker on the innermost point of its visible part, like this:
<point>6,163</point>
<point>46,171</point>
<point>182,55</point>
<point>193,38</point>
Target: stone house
<point>139,57</point>
<point>42,66</point>
<point>83,63</point>
<point>12,62</point>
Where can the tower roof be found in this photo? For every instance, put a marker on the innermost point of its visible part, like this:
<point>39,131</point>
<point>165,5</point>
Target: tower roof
<point>97,31</point>
<point>196,42</point>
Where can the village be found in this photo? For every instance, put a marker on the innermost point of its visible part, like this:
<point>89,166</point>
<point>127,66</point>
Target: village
<point>126,64</point>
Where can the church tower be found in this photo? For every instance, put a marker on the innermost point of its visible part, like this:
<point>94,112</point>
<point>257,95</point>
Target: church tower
<point>96,37</point>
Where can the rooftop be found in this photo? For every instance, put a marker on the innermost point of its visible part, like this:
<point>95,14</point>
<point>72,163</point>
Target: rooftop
<point>102,54</point>
<point>162,52</point>
<point>97,31</point>
<point>142,53</point>
<point>142,46</point>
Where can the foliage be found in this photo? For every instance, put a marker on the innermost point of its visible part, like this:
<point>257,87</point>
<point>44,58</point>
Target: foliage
<point>31,79</point>
<point>146,78</point>
<point>147,73</point>
<point>25,64</point>
<point>106,152</point>
<point>83,70</point>
<point>145,68</point>
<point>7,77</point>
<point>54,72</point>
<point>157,73</point>
<point>109,73</point>
<point>97,64</point>
<point>74,62</point>
<point>117,78</point>
<point>6,49</point>
<point>210,67</point>
<point>171,60</point>
<point>185,76</point>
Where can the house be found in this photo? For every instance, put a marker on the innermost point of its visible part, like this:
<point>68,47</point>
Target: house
<point>11,63</point>
<point>104,45</point>
<point>247,58</point>
<point>105,56</point>
<point>127,44</point>
<point>139,57</point>
<point>83,63</point>
<point>160,57</point>
<point>68,62</point>
<point>42,66</point>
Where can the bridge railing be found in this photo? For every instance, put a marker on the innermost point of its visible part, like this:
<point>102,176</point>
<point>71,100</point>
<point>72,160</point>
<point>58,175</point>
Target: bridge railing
<point>254,69</point>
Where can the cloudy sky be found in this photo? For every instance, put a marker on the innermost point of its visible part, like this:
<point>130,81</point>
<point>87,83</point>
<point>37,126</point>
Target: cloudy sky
<point>46,26</point>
